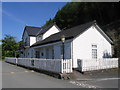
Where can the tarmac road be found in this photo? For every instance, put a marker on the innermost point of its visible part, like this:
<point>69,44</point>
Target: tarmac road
<point>18,77</point>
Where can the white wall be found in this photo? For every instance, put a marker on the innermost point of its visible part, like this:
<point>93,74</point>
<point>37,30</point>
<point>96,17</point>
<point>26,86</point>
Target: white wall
<point>31,53</point>
<point>26,36</point>
<point>32,40</point>
<point>82,45</point>
<point>51,31</point>
<point>25,53</point>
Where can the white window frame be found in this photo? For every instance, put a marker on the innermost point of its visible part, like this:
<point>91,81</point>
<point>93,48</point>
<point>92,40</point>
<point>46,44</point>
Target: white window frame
<point>94,51</point>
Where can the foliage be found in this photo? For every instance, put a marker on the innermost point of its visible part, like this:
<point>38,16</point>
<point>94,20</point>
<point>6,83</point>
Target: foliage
<point>76,13</point>
<point>113,30</point>
<point>117,47</point>
<point>48,22</point>
<point>0,52</point>
<point>9,46</point>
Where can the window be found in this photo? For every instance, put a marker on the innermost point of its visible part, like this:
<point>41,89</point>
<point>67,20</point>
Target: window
<point>42,54</point>
<point>37,54</point>
<point>39,38</point>
<point>94,46</point>
<point>94,51</point>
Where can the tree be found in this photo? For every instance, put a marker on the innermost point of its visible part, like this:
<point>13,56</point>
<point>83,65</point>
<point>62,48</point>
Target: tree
<point>48,22</point>
<point>0,52</point>
<point>9,46</point>
<point>76,13</point>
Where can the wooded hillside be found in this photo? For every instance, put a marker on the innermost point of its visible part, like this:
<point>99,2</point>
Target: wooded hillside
<point>107,16</point>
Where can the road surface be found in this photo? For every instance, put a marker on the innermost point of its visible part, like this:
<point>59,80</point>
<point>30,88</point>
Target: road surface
<point>17,77</point>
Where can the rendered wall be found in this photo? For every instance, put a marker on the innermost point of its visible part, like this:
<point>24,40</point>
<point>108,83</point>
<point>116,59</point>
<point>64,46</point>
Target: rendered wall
<point>51,31</point>
<point>82,45</point>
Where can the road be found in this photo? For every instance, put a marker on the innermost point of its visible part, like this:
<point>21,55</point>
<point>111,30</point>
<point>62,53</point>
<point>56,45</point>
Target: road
<point>98,79</point>
<point>17,77</point>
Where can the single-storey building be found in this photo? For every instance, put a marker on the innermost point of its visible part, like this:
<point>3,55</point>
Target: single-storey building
<point>87,41</point>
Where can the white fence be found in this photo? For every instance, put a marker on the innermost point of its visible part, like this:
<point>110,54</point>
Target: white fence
<point>54,65</point>
<point>97,64</point>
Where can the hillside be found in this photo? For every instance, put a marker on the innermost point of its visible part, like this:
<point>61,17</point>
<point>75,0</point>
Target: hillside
<point>113,31</point>
<point>106,14</point>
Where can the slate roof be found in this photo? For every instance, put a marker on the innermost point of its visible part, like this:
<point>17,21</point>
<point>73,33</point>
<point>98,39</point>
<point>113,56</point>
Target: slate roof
<point>68,33</point>
<point>32,31</point>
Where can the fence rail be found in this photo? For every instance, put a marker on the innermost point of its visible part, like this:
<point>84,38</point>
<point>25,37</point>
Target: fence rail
<point>92,64</point>
<point>55,65</point>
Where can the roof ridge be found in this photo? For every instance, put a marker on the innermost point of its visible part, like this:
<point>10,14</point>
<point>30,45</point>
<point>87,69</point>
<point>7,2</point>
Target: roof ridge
<point>94,21</point>
<point>33,26</point>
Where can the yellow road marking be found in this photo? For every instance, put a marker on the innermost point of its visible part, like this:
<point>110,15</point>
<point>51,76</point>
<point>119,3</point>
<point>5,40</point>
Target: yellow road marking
<point>32,71</point>
<point>26,71</point>
<point>12,72</point>
<point>18,72</point>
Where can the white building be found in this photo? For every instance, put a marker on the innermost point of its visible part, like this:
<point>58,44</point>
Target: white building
<point>85,41</point>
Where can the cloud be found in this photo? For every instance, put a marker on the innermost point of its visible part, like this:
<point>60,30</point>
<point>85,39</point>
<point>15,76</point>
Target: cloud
<point>13,17</point>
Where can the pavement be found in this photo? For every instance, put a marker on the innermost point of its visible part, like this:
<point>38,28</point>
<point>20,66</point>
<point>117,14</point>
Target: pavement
<point>17,77</point>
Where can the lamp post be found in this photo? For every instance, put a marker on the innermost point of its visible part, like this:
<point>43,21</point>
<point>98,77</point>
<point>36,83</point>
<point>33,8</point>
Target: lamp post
<point>63,40</point>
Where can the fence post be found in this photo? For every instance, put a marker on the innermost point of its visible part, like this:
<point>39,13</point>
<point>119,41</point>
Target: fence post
<point>61,65</point>
<point>70,65</point>
<point>82,66</point>
<point>16,61</point>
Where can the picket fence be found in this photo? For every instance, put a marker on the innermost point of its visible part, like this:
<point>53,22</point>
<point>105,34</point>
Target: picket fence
<point>97,64</point>
<point>54,65</point>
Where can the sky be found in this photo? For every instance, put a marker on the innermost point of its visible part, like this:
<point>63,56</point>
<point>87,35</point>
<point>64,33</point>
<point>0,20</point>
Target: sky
<point>16,15</point>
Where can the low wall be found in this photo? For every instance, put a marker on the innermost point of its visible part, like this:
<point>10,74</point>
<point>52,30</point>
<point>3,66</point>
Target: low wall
<point>95,64</point>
